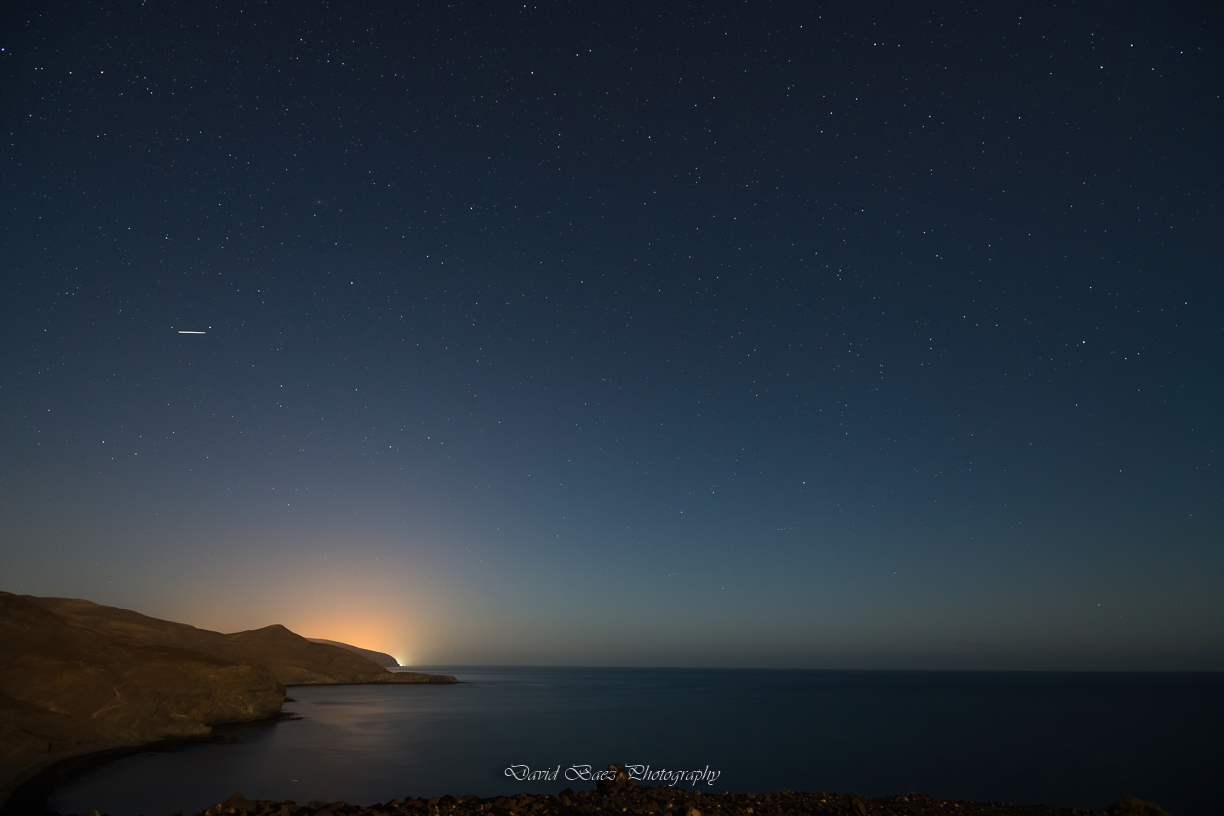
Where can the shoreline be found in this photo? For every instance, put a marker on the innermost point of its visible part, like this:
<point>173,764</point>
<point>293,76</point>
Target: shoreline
<point>82,678</point>
<point>38,789</point>
<point>29,791</point>
<point>34,784</point>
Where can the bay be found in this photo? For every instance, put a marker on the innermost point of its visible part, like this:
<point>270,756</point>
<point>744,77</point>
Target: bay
<point>1069,739</point>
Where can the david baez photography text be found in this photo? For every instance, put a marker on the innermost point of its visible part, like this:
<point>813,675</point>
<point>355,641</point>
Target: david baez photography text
<point>638,773</point>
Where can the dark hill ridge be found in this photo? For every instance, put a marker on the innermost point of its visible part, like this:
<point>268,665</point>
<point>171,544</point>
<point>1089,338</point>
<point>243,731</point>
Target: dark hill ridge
<point>293,659</point>
<point>77,677</point>
<point>381,658</point>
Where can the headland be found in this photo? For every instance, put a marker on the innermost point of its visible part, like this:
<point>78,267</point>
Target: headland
<point>77,678</point>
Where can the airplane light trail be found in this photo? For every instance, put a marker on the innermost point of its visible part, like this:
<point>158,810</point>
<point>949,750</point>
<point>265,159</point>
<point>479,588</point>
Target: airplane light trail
<point>190,332</point>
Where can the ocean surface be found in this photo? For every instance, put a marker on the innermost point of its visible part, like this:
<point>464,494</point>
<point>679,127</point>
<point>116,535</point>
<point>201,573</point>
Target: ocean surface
<point>1066,739</point>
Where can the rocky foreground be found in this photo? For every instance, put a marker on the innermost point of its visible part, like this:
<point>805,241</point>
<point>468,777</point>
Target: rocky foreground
<point>77,677</point>
<point>620,796</point>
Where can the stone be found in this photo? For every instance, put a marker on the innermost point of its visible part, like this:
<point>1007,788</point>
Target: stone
<point>1132,806</point>
<point>619,780</point>
<point>240,803</point>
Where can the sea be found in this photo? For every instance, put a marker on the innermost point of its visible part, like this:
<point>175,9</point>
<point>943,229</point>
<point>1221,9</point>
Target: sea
<point>1079,740</point>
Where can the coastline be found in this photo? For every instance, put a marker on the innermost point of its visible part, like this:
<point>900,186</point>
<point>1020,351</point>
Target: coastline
<point>18,778</point>
<point>429,746</point>
<point>28,792</point>
<point>546,711</point>
<point>81,678</point>
<point>33,784</point>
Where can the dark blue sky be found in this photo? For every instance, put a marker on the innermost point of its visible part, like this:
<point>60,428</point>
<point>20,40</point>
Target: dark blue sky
<point>723,334</point>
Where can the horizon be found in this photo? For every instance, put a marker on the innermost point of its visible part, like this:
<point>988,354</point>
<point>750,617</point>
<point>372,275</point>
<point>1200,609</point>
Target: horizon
<point>950,662</point>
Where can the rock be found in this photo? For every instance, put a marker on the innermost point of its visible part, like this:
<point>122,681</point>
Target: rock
<point>618,781</point>
<point>239,802</point>
<point>1131,806</point>
<point>643,800</point>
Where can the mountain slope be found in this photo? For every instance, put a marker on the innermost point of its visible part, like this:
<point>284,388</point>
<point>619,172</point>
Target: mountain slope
<point>78,677</point>
<point>381,658</point>
<point>293,659</point>
<point>65,690</point>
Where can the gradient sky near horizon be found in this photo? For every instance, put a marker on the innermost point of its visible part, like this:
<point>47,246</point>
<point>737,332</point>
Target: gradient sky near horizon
<point>727,334</point>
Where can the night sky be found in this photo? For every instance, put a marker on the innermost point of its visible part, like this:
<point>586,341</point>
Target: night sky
<point>725,334</point>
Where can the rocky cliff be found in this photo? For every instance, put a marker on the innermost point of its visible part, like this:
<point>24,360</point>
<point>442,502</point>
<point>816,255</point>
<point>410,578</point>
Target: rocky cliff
<point>78,677</point>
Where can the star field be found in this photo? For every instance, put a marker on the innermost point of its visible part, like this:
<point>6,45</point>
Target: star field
<point>733,334</point>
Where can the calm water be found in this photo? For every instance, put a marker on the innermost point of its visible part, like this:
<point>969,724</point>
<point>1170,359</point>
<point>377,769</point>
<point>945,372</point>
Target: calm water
<point>1075,740</point>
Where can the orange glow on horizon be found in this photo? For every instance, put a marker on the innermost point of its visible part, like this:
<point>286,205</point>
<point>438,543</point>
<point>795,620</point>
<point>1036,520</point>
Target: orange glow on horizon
<point>356,604</point>
<point>376,635</point>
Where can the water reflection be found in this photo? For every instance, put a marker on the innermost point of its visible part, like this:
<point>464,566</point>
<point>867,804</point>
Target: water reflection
<point>1070,740</point>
